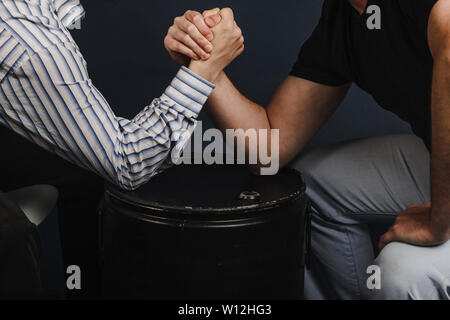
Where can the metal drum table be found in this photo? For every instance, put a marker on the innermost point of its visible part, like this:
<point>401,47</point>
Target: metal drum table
<point>206,232</point>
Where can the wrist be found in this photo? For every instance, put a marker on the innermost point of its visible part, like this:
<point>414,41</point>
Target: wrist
<point>222,77</point>
<point>440,224</point>
<point>204,70</point>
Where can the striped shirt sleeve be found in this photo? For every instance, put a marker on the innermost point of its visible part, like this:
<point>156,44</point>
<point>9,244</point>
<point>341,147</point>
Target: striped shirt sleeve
<point>51,100</point>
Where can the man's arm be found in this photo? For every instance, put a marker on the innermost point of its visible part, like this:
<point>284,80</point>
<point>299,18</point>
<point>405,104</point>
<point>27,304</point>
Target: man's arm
<point>439,41</point>
<point>299,108</point>
<point>49,98</point>
<point>429,224</point>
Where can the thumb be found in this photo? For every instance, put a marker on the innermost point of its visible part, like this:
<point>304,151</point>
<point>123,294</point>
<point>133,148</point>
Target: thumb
<point>213,20</point>
<point>227,14</point>
<point>386,239</point>
<point>211,12</point>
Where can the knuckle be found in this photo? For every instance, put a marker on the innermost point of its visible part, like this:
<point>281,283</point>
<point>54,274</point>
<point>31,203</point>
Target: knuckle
<point>178,46</point>
<point>197,18</point>
<point>212,11</point>
<point>169,43</point>
<point>192,15</point>
<point>229,26</point>
<point>191,29</point>
<point>186,38</point>
<point>395,228</point>
<point>227,10</point>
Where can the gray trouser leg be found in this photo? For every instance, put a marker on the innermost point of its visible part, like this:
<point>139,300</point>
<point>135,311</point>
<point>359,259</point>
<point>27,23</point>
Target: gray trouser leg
<point>351,185</point>
<point>414,273</point>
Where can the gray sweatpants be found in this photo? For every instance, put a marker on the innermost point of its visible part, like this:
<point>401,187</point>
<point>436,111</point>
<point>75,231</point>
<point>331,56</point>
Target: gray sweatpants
<point>352,185</point>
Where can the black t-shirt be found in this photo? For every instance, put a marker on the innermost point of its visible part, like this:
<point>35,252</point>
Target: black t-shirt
<point>393,64</point>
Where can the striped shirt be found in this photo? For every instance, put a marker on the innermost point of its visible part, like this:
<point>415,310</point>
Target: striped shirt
<point>46,96</point>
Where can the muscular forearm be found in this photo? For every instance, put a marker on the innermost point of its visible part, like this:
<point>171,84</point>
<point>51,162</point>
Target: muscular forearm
<point>440,213</point>
<point>230,109</point>
<point>298,109</point>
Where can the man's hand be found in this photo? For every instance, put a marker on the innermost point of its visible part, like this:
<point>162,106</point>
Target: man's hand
<point>414,226</point>
<point>190,36</point>
<point>214,36</point>
<point>228,44</point>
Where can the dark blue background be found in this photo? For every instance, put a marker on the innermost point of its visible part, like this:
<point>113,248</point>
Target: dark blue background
<point>123,44</point>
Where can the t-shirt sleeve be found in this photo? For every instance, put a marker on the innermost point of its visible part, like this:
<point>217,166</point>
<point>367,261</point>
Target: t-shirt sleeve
<point>322,56</point>
<point>419,11</point>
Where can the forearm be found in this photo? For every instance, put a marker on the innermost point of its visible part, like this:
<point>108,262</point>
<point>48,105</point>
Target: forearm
<point>298,110</point>
<point>72,119</point>
<point>158,134</point>
<point>231,110</point>
<point>440,171</point>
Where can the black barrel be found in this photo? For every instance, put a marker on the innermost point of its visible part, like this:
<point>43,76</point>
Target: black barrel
<point>206,232</point>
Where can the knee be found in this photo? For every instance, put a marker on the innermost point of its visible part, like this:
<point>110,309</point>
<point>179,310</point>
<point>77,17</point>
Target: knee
<point>313,166</point>
<point>325,175</point>
<point>402,274</point>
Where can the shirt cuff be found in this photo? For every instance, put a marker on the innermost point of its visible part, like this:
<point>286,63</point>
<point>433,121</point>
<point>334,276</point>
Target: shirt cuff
<point>189,91</point>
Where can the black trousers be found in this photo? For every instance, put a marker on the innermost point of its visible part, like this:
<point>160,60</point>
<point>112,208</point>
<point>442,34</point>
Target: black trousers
<point>20,253</point>
<point>23,164</point>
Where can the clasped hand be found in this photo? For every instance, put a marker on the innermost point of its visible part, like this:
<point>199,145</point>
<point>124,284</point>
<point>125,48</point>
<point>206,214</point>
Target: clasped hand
<point>207,42</point>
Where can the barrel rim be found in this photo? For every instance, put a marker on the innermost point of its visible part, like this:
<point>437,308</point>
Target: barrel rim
<point>218,211</point>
